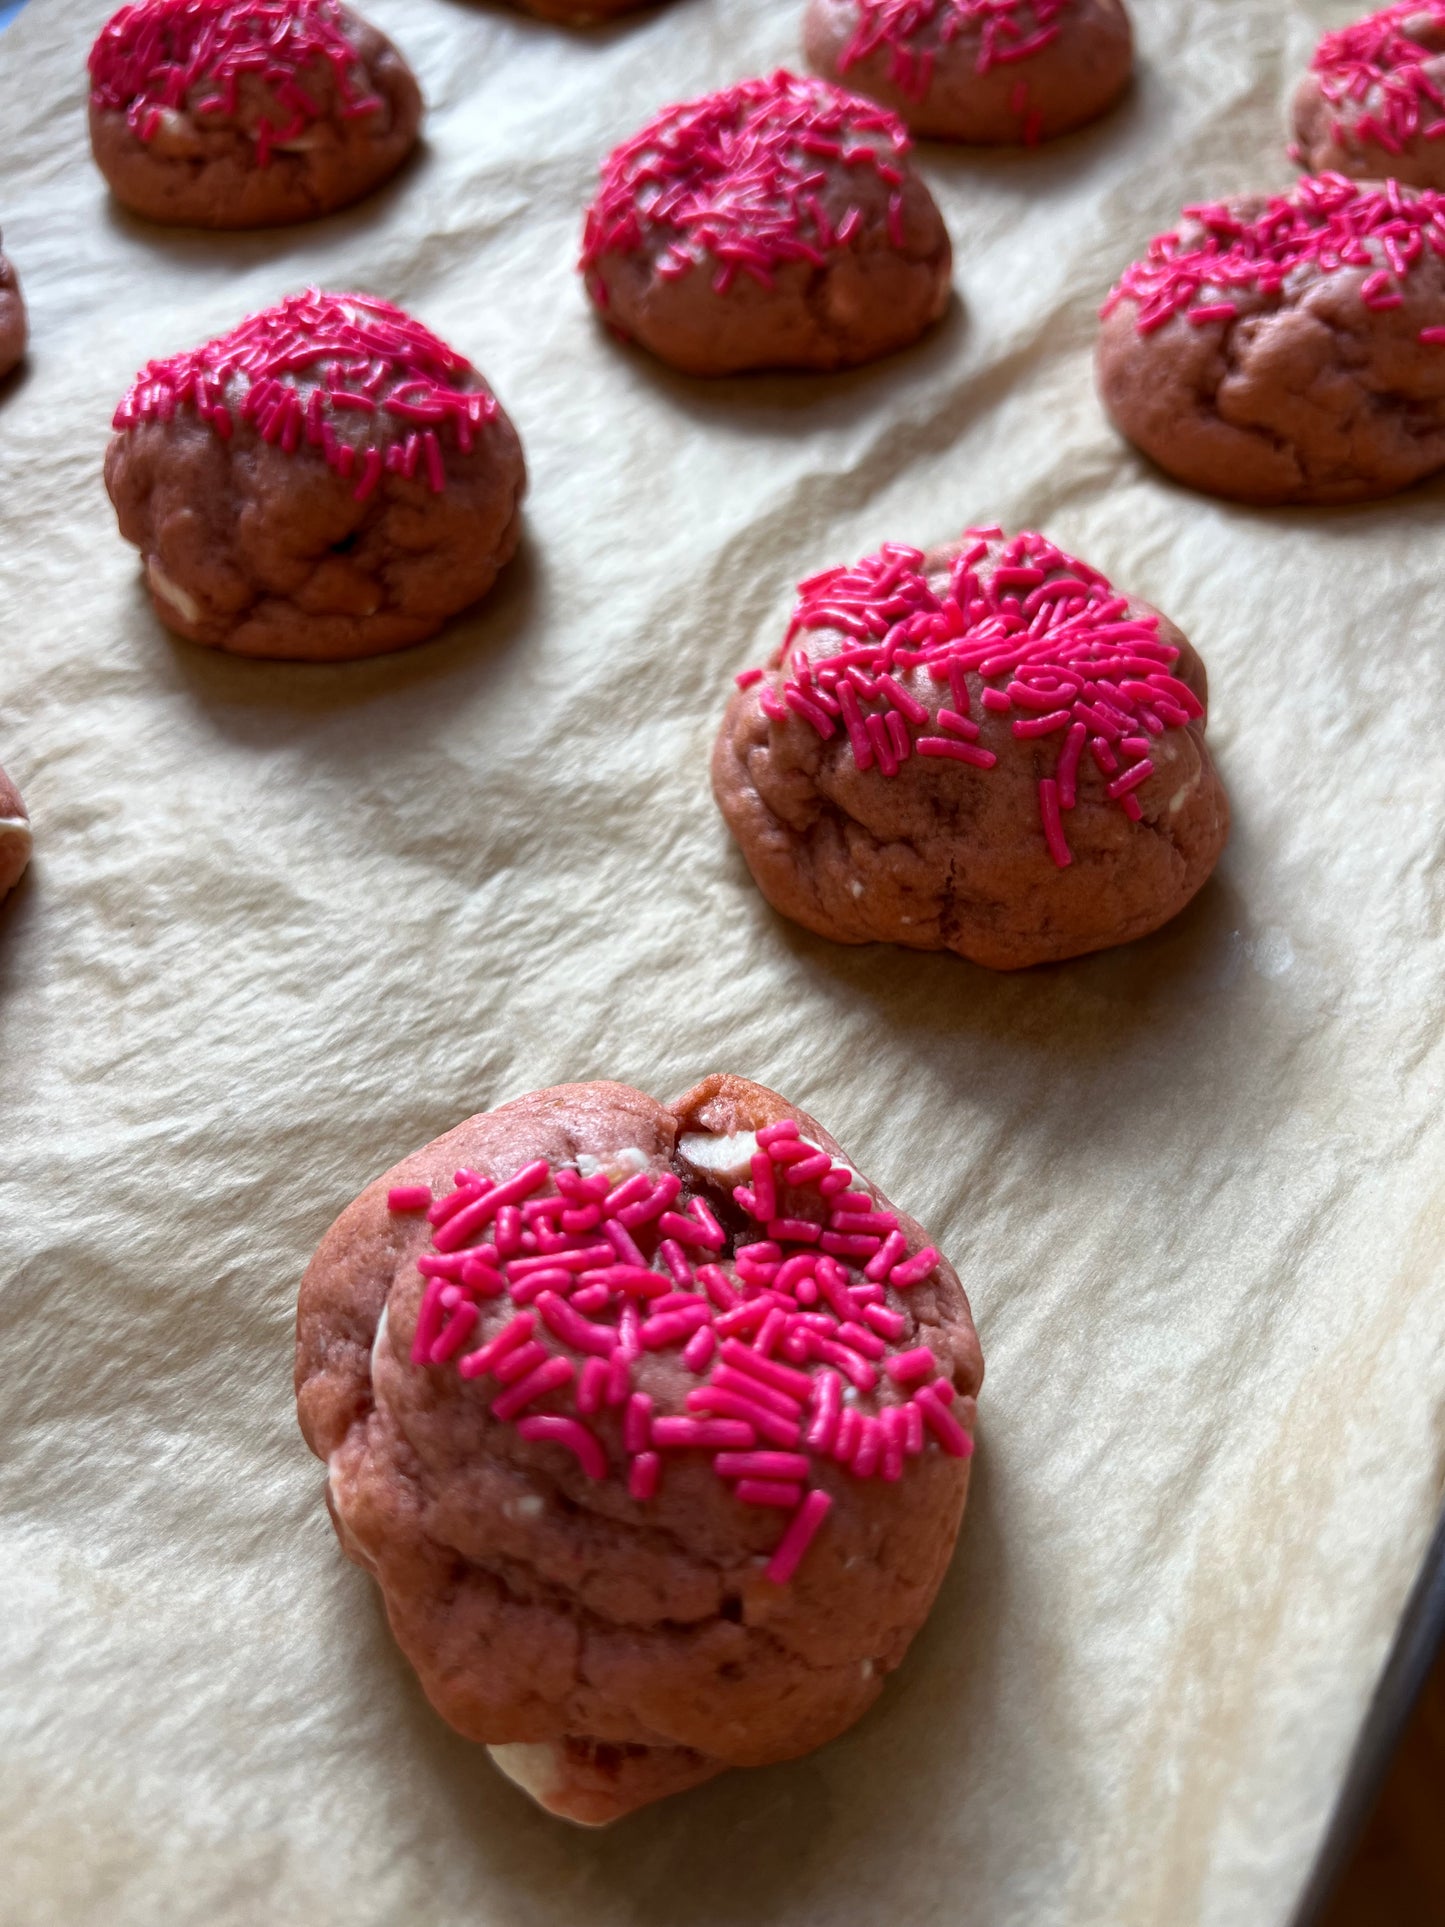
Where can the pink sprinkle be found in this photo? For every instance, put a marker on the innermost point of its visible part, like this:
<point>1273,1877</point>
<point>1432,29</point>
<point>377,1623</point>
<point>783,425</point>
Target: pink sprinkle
<point>457,1331</point>
<point>592,1386</point>
<point>828,1406</point>
<point>894,1247</point>
<point>714,1433</point>
<point>869,1453</point>
<point>637,1426</point>
<point>574,1330</point>
<point>768,1492</point>
<point>806,1170</point>
<point>907,1368</point>
<point>747,677</point>
<point>757,1417</point>
<point>895,1433</point>
<point>516,1333</point>
<point>451,1204</point>
<point>550,1377</point>
<point>847,1434</point>
<point>1053,822</point>
<point>913,1270</point>
<point>761,1465</point>
<point>644,1476</point>
<point>697,1352</point>
<point>518,1363</point>
<point>714,1282</point>
<point>573,1435</point>
<point>781,1378</point>
<point>943,1425</point>
<point>802,1530</point>
<point>408,1197</point>
<point>428,1322</point>
<point>467,1222</point>
<point>672,1328</point>
<point>888,1324</point>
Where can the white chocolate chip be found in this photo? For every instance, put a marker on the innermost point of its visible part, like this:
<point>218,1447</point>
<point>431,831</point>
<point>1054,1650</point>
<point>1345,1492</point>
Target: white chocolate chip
<point>856,886</point>
<point>867,1669</point>
<point>376,1342</point>
<point>529,1506</point>
<point>1180,796</point>
<point>631,1159</point>
<point>302,144</point>
<point>536,1767</point>
<point>172,592</point>
<point>729,1158</point>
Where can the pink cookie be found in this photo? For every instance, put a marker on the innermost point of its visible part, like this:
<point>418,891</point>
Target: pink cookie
<point>1373,103</point>
<point>778,224</point>
<point>987,749</point>
<point>247,113</point>
<point>15,839</point>
<point>1287,348</point>
<point>991,71</point>
<point>653,1425</point>
<point>329,480</point>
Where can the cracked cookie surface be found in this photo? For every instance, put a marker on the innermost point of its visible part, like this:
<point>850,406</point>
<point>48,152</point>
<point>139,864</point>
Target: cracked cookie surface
<point>615,1647</point>
<point>1286,348</point>
<point>995,72</point>
<point>778,224</point>
<point>328,481</point>
<point>984,749</point>
<point>247,113</point>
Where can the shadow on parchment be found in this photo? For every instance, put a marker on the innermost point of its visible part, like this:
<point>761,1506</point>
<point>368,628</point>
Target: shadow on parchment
<point>1087,1007</point>
<point>743,1848</point>
<point>254,702</point>
<point>789,402</point>
<point>1034,172</point>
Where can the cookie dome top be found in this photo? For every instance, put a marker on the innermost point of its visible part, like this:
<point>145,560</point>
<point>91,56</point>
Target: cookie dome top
<point>1377,68</point>
<point>1008,31</point>
<point>1253,247</point>
<point>1052,643</point>
<point>790,1351</point>
<point>150,57</point>
<point>313,369</point>
<point>736,176</point>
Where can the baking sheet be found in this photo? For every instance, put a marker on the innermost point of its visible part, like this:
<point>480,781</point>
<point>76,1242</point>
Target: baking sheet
<point>286,924</point>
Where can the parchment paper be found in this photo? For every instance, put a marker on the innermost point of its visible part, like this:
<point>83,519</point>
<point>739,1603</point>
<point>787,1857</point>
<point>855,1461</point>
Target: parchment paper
<point>284,925</point>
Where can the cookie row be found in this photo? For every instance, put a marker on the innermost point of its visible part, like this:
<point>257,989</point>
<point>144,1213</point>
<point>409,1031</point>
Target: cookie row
<point>250,113</point>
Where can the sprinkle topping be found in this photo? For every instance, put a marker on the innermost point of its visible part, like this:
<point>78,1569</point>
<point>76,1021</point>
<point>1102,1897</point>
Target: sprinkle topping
<point>355,377</point>
<point>791,1339</point>
<point>1386,71</point>
<point>1324,224</point>
<point>152,57</point>
<point>1008,32</point>
<point>1012,624</point>
<point>739,178</point>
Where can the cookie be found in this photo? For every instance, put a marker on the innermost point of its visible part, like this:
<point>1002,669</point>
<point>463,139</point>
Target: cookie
<point>778,224</point>
<point>1373,103</point>
<point>328,480</point>
<point>14,324</point>
<point>1288,348</point>
<point>990,71</point>
<point>651,1422</point>
<point>986,749</point>
<point>15,839</point>
<point>247,113</point>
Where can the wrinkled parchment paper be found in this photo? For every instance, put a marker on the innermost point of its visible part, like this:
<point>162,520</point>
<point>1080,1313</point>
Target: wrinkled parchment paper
<point>286,924</point>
